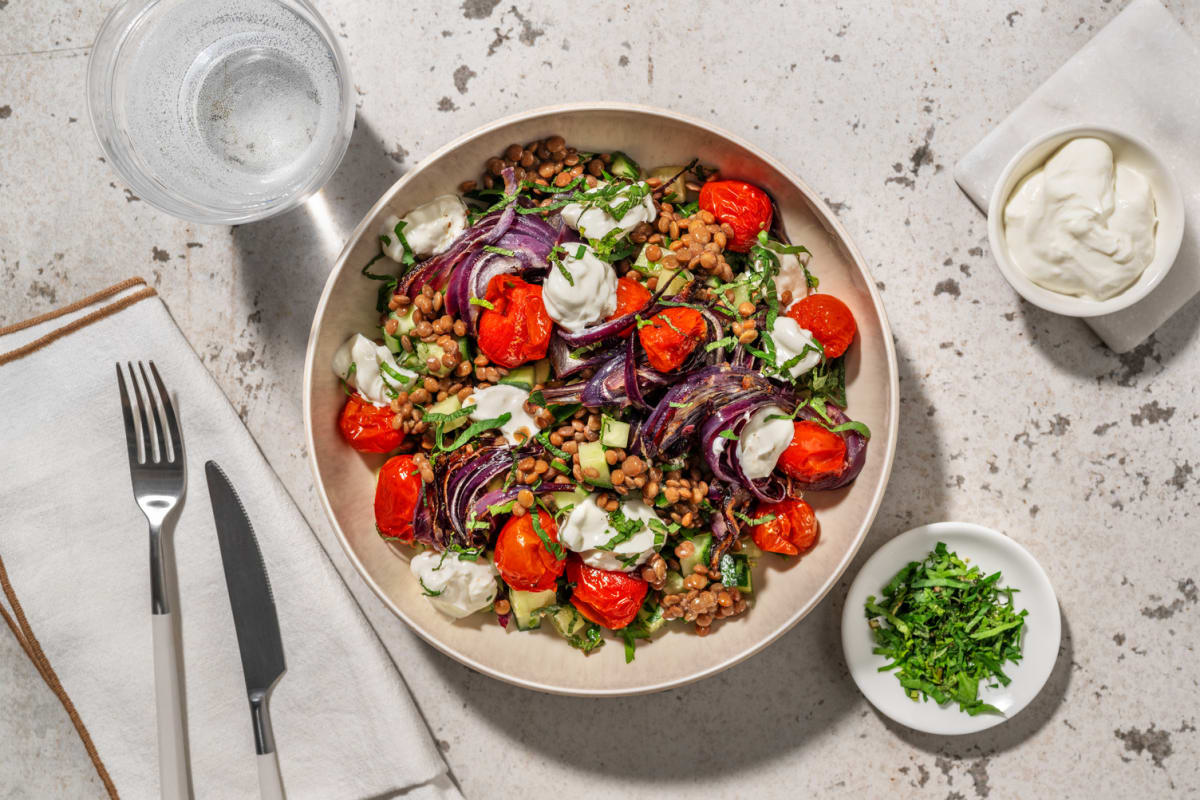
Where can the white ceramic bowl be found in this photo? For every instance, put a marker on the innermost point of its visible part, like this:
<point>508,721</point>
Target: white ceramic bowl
<point>1167,238</point>
<point>785,591</point>
<point>991,551</point>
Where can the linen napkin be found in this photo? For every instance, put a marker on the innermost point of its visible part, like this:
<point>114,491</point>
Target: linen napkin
<point>74,545</point>
<point>1138,74</point>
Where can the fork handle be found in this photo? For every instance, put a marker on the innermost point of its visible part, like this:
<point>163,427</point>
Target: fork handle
<point>172,759</point>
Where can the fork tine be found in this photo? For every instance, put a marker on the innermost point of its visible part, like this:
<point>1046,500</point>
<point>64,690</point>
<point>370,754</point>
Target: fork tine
<point>153,401</point>
<point>147,448</point>
<point>164,396</point>
<point>131,437</point>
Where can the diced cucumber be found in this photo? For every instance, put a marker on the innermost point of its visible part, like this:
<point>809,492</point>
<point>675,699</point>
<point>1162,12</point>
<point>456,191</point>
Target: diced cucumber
<point>674,583</point>
<point>568,621</point>
<point>614,433</point>
<point>735,571</point>
<point>521,377</point>
<point>591,459</point>
<point>426,351</point>
<point>466,349</point>
<point>541,371</point>
<point>750,549</point>
<point>448,406</point>
<point>567,499</point>
<point>404,324</point>
<point>676,192</point>
<point>700,554</point>
<point>524,604</point>
<point>650,620</point>
<point>676,280</point>
<point>643,265</point>
<point>624,167</point>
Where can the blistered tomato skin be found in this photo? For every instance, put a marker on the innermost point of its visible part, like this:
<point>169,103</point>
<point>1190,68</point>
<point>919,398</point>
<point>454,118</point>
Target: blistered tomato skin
<point>828,319</point>
<point>631,297</point>
<point>610,599</point>
<point>792,531</point>
<point>521,556</point>
<point>671,337</point>
<point>745,207</point>
<point>368,428</point>
<point>815,453</point>
<point>397,493</point>
<point>516,329</point>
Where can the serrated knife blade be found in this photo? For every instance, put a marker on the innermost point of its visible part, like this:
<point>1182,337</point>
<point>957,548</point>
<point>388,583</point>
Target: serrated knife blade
<point>252,603</point>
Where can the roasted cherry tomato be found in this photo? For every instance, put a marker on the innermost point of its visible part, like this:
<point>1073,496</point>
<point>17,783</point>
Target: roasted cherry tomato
<point>793,530</point>
<point>397,493</point>
<point>516,328</point>
<point>611,599</point>
<point>368,428</point>
<point>522,557</point>
<point>815,453</point>
<point>745,207</point>
<point>828,319</point>
<point>671,337</point>
<point>631,297</point>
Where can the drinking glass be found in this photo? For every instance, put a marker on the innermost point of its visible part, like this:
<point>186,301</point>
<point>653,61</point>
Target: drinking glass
<point>220,111</point>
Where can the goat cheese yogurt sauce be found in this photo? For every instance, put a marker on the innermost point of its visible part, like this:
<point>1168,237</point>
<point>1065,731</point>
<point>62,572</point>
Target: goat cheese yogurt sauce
<point>1083,223</point>
<point>790,341</point>
<point>587,528</point>
<point>493,401</point>
<point>455,587</point>
<point>762,441</point>
<point>595,223</point>
<point>371,380</point>
<point>430,228</point>
<point>588,297</point>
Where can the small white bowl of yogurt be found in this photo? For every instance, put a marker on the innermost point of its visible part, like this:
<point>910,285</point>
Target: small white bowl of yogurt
<point>1085,221</point>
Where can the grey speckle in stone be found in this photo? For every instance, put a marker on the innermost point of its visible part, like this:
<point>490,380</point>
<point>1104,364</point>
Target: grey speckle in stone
<point>5,111</point>
<point>498,42</point>
<point>1152,413</point>
<point>130,197</point>
<point>398,153</point>
<point>529,34</point>
<point>159,255</point>
<point>623,61</point>
<point>446,104</point>
<point>1011,17</point>
<point>948,286</point>
<point>462,76</point>
<point>923,154</point>
<point>1103,428</point>
<point>1187,594</point>
<point>479,9</point>
<point>1155,742</point>
<point>1118,639</point>
<point>1133,363</point>
<point>1180,478</point>
<point>979,775</point>
<point>1058,425</point>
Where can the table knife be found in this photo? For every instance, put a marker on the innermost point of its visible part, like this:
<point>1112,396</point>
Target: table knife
<point>254,619</point>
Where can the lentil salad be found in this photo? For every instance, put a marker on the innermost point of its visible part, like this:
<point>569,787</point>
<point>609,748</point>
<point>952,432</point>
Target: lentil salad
<point>604,399</point>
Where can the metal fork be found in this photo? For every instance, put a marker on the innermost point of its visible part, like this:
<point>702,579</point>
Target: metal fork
<point>156,465</point>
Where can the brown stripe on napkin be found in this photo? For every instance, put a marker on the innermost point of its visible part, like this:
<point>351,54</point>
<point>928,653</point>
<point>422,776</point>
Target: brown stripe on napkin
<point>75,324</point>
<point>19,625</point>
<point>16,620</point>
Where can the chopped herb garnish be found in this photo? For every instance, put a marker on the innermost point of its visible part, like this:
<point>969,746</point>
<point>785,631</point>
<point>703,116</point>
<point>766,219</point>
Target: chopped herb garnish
<point>479,301</point>
<point>490,248</point>
<point>946,627</point>
<point>554,547</point>
<point>427,591</point>
<point>625,529</point>
<point>728,434</point>
<point>473,430</point>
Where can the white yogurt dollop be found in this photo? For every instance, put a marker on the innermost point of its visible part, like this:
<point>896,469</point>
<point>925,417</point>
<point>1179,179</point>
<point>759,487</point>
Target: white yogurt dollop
<point>430,228</point>
<point>371,380</point>
<point>455,587</point>
<point>790,341</point>
<point>588,297</point>
<point>594,222</point>
<point>493,401</point>
<point>762,441</point>
<point>588,528</point>
<point>1082,224</point>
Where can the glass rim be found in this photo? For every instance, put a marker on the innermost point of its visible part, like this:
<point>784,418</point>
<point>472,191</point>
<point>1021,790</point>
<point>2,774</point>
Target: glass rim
<point>106,48</point>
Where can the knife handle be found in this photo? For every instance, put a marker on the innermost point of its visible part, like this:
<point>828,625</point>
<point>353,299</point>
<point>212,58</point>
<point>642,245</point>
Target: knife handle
<point>270,784</point>
<point>172,758</point>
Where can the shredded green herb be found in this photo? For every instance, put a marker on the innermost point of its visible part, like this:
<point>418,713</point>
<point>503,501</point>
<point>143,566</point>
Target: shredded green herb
<point>625,529</point>
<point>554,547</point>
<point>479,301</point>
<point>946,627</point>
<point>490,248</point>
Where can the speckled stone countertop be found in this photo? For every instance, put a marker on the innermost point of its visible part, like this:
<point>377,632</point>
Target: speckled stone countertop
<point>1010,417</point>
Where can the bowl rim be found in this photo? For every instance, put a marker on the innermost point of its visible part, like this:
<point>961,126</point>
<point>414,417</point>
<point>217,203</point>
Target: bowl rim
<point>828,220</point>
<point>1065,304</point>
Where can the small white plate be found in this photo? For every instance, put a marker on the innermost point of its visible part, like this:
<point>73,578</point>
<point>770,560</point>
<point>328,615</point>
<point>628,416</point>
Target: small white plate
<point>992,551</point>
